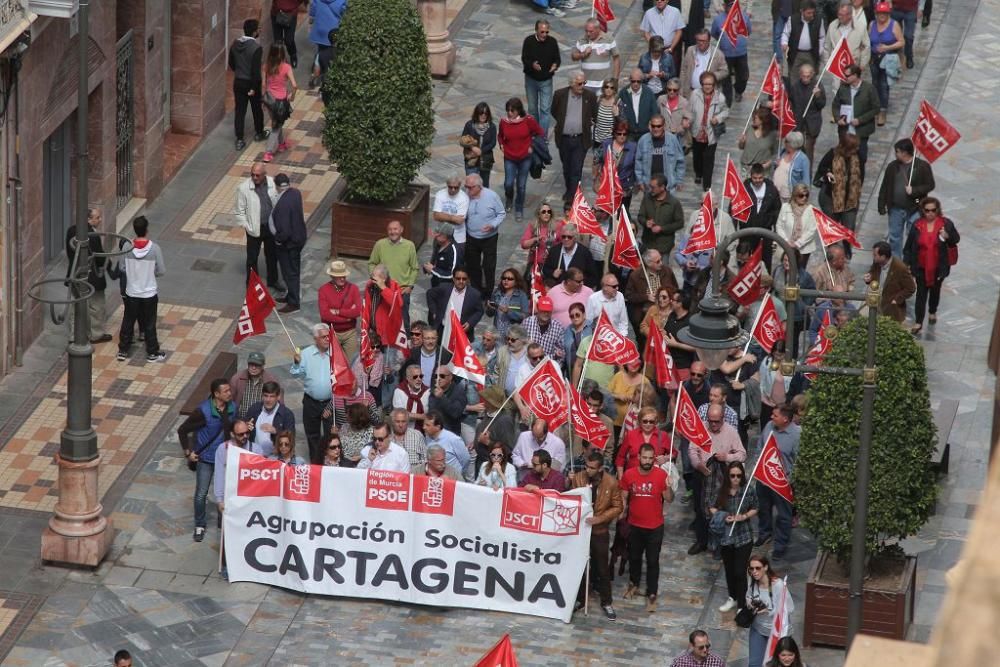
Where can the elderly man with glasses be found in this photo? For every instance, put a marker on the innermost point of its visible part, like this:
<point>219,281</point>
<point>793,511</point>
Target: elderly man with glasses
<point>659,152</point>
<point>611,301</point>
<point>312,364</point>
<point>383,453</point>
<point>571,290</point>
<point>639,104</point>
<point>566,255</point>
<point>482,225</point>
<point>574,109</point>
<point>450,208</point>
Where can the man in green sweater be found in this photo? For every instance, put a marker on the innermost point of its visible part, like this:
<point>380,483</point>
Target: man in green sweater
<point>399,255</point>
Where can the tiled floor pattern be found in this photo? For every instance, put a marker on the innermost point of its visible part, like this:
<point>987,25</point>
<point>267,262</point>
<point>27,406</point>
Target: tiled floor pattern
<point>16,610</point>
<point>130,399</point>
<point>306,164</point>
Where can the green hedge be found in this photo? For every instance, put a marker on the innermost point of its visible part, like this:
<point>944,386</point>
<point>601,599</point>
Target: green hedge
<point>903,488</point>
<point>379,122</point>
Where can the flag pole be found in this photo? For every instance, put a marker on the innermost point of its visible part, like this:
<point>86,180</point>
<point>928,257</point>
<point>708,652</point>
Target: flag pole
<point>569,412</point>
<point>749,479</point>
<point>586,591</point>
<point>826,68</point>
<point>593,8</point>
<point>673,422</point>
<point>512,394</point>
<point>756,320</point>
<point>913,163</point>
<point>760,91</point>
<point>290,341</point>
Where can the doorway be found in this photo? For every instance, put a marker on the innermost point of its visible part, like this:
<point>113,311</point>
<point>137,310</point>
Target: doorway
<point>57,202</point>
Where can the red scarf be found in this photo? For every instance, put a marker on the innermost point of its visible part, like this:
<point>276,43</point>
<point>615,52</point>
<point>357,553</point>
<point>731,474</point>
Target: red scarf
<point>414,403</point>
<point>703,135</point>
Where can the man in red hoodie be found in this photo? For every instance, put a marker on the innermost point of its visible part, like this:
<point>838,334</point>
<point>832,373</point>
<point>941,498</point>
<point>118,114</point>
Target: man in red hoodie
<point>340,307</point>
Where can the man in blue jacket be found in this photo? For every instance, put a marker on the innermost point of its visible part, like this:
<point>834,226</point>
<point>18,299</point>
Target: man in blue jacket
<point>288,227</point>
<point>200,436</point>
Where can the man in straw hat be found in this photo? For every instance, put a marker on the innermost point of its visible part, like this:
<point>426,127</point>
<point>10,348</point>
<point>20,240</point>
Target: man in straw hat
<point>340,307</point>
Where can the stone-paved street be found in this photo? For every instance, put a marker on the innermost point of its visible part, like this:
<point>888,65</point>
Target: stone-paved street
<point>157,593</point>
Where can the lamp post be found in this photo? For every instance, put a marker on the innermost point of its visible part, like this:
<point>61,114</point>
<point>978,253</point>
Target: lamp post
<point>714,331</point>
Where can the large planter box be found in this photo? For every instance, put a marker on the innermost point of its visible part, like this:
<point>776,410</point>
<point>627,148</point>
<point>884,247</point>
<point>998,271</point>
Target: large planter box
<point>356,226</point>
<point>887,613</point>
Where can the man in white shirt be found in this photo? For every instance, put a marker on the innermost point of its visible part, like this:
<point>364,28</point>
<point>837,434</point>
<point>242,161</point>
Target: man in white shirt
<point>531,441</point>
<point>384,454</point>
<point>665,21</point>
<point>450,206</point>
<point>802,37</point>
<point>611,301</point>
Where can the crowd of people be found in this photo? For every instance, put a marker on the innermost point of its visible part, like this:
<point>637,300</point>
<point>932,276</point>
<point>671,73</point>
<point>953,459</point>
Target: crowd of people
<point>407,410</point>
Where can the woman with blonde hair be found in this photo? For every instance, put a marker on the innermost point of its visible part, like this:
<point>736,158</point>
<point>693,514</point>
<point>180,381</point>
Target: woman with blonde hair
<point>797,224</point>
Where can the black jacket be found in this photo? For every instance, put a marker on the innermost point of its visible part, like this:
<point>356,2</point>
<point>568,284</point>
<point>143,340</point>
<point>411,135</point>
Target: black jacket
<point>289,219</point>
<point>284,419</point>
<point>912,257</point>
<point>921,184</point>
<point>582,259</point>
<point>451,404</point>
<point>96,275</point>
<point>444,259</point>
<point>769,209</point>
<point>245,60</point>
<point>437,303</point>
<point>806,121</point>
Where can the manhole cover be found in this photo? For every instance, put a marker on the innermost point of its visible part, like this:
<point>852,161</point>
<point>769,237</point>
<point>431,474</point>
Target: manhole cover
<point>208,265</point>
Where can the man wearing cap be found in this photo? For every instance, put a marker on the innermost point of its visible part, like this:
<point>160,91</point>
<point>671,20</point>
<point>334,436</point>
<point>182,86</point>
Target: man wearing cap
<point>288,227</point>
<point>340,307</point>
<point>569,254</point>
<point>248,384</point>
<point>545,331</point>
<point>450,208</point>
<point>399,256</point>
<point>445,256</point>
<point>255,199</point>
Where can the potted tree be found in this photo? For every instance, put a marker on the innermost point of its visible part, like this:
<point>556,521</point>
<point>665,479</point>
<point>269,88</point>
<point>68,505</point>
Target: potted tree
<point>379,123</point>
<point>903,487</point>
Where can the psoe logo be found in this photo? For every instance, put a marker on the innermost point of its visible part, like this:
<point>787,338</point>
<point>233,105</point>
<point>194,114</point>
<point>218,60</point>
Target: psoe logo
<point>542,514</point>
<point>303,483</point>
<point>387,490</point>
<point>433,495</point>
<point>258,477</point>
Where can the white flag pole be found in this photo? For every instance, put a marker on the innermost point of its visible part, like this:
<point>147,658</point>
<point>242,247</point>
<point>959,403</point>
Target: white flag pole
<point>285,329</point>
<point>748,480</point>
<point>913,163</point>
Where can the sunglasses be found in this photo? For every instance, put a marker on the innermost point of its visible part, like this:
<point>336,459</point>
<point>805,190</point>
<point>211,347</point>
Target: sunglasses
<point>648,421</point>
<point>635,80</point>
<point>621,134</point>
<point>507,278</point>
<point>736,477</point>
<point>512,340</point>
<point>702,647</point>
<point>417,376</point>
<point>660,126</point>
<point>442,376</point>
<point>714,421</point>
<point>697,375</point>
<point>378,439</point>
<point>332,447</point>
<point>567,236</point>
<point>241,435</point>
<point>930,210</point>
<point>673,90</point>
<point>546,211</point>
<point>535,358</point>
<point>804,196</point>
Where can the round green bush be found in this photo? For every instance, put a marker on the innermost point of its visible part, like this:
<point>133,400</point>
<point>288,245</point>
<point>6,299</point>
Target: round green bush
<point>903,487</point>
<point>379,120</point>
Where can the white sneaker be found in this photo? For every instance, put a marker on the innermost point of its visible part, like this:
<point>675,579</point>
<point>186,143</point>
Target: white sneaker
<point>728,606</point>
<point>569,4</point>
<point>555,12</point>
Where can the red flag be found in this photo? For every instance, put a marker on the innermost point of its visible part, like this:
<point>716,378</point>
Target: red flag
<point>401,342</point>
<point>769,328</point>
<point>607,346</point>
<point>772,78</point>
<point>781,108</point>
<point>631,421</point>
<point>831,231</point>
<point>815,355</point>
<point>658,354</point>
<point>586,424</point>
<point>583,216</point>
<point>703,232</point>
<point>689,423</point>
<point>464,362</point>
<point>538,289</point>
<point>342,379</point>
<point>625,251</point>
<point>770,471</point>
<point>501,655</point>
<point>603,13</point>
<point>933,135</point>
<point>735,191</point>
<point>746,287</point>
<point>840,60</point>
<point>544,392</point>
<point>257,305</point>
<point>735,24</point>
<point>780,625</point>
<point>609,188</point>
<point>367,351</point>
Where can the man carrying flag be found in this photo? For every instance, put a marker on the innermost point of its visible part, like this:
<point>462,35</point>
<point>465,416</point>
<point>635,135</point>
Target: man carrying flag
<point>732,30</point>
<point>850,35</point>
<point>464,362</point>
<point>774,469</point>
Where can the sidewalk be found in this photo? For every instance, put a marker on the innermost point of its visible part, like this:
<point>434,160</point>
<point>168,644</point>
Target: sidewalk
<point>157,593</point>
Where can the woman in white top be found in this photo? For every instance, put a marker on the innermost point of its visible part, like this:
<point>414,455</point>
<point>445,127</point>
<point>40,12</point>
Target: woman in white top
<point>797,224</point>
<point>764,591</point>
<point>498,472</point>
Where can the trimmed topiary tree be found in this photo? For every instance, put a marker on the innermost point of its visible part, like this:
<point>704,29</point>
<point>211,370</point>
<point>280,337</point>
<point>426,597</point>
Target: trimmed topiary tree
<point>379,120</point>
<point>903,487</point>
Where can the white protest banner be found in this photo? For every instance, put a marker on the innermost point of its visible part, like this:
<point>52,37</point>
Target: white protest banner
<point>393,536</point>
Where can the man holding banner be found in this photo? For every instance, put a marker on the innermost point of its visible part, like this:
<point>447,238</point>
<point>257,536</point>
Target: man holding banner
<point>606,497</point>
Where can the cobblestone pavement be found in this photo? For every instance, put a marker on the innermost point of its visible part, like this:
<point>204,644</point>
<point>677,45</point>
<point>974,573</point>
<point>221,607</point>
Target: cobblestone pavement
<point>157,593</point>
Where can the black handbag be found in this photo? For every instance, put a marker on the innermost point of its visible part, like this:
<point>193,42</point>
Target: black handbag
<point>284,19</point>
<point>744,617</point>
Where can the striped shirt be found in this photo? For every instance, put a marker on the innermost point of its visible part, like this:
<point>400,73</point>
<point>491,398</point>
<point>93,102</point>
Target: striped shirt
<point>598,65</point>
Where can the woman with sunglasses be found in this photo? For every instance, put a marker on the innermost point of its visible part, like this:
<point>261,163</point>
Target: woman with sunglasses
<point>609,110</point>
<point>623,155</point>
<point>578,329</point>
<point>539,236</point>
<point>927,254</point>
<point>658,313</point>
<point>736,546</point>
<point>708,113</point>
<point>332,452</point>
<point>674,108</point>
<point>509,302</point>
<point>481,129</point>
<point>284,449</point>
<point>647,434</point>
<point>498,473</point>
<point>516,132</point>
<point>764,591</point>
<point>797,224</point>
<point>626,386</point>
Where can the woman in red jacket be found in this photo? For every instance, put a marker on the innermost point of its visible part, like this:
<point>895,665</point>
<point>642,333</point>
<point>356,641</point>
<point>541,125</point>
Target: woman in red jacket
<point>514,136</point>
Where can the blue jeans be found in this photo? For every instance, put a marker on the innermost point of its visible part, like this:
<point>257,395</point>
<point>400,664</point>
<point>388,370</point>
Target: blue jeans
<point>203,479</point>
<point>539,94</point>
<point>512,170</point>
<point>758,646</point>
<point>900,221</point>
<point>779,26</point>
<point>781,526</point>
<point>909,21</point>
<point>881,83</point>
